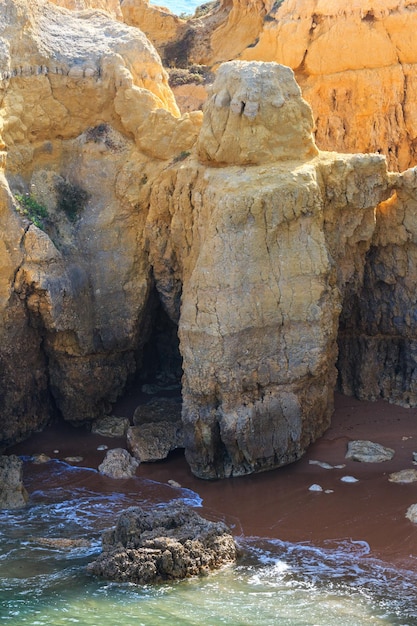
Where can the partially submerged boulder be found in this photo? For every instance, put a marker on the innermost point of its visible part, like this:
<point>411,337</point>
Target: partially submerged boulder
<point>412,513</point>
<point>110,426</point>
<point>368,452</point>
<point>153,442</point>
<point>118,463</point>
<point>165,544</point>
<point>157,431</point>
<point>404,476</point>
<point>13,494</point>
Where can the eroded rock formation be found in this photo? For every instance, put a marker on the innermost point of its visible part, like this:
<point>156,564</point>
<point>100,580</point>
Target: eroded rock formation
<point>356,65</point>
<point>81,122</point>
<point>355,62</point>
<point>262,249</point>
<point>161,545</point>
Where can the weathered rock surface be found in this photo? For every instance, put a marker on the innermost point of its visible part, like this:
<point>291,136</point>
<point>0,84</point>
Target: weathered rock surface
<point>165,544</point>
<point>256,244</point>
<point>368,452</point>
<point>94,98</point>
<point>158,429</point>
<point>264,257</point>
<point>111,6</point>
<point>378,338</point>
<point>110,426</point>
<point>356,63</point>
<point>153,442</point>
<point>412,513</point>
<point>255,99</point>
<point>160,25</point>
<point>158,410</point>
<point>118,463</point>
<point>403,476</point>
<point>13,494</point>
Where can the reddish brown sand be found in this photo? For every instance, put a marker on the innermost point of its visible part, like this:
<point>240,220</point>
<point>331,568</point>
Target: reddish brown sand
<point>279,504</point>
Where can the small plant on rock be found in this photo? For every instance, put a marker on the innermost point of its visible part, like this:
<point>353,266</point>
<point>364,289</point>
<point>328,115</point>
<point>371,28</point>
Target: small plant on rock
<point>181,156</point>
<point>32,209</point>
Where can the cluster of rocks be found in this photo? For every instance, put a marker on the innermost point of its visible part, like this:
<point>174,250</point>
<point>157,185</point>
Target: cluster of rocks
<point>156,431</point>
<point>164,544</point>
<point>365,451</point>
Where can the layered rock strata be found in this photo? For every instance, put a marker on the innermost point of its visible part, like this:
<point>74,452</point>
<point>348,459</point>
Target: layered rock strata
<point>357,66</point>
<point>264,256</point>
<point>355,62</point>
<point>257,245</point>
<point>84,124</point>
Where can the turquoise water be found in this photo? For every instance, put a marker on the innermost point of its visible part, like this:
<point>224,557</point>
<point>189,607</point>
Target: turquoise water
<point>180,6</point>
<point>273,583</point>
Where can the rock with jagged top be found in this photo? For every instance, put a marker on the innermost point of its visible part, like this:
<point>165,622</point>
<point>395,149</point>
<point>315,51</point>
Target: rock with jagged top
<point>118,463</point>
<point>165,544</point>
<point>255,114</point>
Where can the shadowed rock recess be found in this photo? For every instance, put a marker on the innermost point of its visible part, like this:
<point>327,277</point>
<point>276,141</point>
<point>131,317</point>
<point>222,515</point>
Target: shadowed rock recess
<point>264,252</point>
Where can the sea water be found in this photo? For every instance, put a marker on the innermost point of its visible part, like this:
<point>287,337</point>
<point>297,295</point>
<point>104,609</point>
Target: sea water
<point>185,7</point>
<point>273,583</point>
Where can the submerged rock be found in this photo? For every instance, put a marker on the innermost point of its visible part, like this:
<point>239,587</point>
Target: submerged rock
<point>368,452</point>
<point>118,463</point>
<point>165,544</point>
<point>13,494</point>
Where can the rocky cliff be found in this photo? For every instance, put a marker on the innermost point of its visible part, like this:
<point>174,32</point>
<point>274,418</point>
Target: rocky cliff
<point>263,251</point>
<point>83,99</point>
<point>355,62</point>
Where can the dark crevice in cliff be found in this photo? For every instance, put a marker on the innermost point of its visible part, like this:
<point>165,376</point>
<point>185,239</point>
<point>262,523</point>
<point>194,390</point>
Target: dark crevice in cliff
<point>159,362</point>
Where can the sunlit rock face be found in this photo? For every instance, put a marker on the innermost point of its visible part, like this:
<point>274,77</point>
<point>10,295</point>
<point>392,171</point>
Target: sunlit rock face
<point>255,114</point>
<point>262,249</point>
<point>111,6</point>
<point>87,117</point>
<point>263,255</point>
<point>354,61</point>
<point>356,65</point>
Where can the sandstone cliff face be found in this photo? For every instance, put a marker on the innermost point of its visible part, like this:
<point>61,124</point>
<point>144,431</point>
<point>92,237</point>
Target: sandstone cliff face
<point>378,326</point>
<point>76,110</point>
<point>160,25</point>
<point>355,62</point>
<point>356,65</point>
<point>259,245</point>
<point>263,255</point>
<point>111,6</point>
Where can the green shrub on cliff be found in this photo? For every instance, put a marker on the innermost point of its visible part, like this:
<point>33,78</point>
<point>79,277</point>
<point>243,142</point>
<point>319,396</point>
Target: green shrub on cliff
<point>30,208</point>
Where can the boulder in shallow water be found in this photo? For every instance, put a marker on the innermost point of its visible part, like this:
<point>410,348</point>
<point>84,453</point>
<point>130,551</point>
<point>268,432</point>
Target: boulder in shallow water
<point>403,476</point>
<point>153,442</point>
<point>158,410</point>
<point>110,426</point>
<point>118,463</point>
<point>13,495</point>
<point>165,544</point>
<point>412,513</point>
<point>368,452</point>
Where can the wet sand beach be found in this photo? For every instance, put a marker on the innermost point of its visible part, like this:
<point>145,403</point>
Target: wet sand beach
<point>278,504</point>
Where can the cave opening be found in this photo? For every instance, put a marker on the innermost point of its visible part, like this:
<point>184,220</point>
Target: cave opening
<point>158,362</point>
<point>160,369</point>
